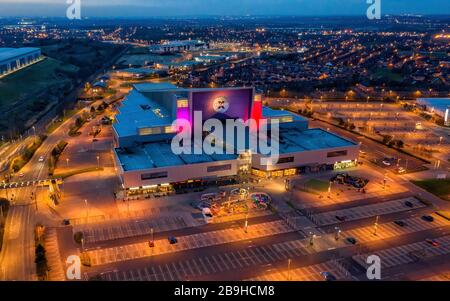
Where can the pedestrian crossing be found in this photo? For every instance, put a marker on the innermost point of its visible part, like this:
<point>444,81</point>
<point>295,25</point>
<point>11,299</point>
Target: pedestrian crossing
<point>388,230</point>
<point>211,264</point>
<point>407,253</point>
<point>360,212</point>
<point>198,240</point>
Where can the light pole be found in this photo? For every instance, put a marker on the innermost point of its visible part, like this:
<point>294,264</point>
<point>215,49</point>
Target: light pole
<point>87,210</point>
<point>311,238</point>
<point>375,226</point>
<point>246,223</point>
<point>67,162</point>
<point>289,270</point>
<point>338,232</point>
<point>98,162</point>
<point>329,187</point>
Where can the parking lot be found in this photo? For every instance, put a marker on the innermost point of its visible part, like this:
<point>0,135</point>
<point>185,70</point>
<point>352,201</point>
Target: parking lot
<point>199,240</point>
<point>115,230</point>
<point>388,230</point>
<point>307,273</point>
<point>212,264</point>
<point>407,253</point>
<point>360,212</point>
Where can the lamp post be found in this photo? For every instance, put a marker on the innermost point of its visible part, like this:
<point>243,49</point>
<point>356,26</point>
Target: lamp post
<point>289,270</point>
<point>311,238</point>
<point>67,162</point>
<point>375,226</point>
<point>98,162</point>
<point>338,232</point>
<point>87,210</point>
<point>246,223</point>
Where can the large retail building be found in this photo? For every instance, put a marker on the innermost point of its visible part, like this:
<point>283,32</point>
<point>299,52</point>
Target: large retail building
<point>13,59</point>
<point>143,134</point>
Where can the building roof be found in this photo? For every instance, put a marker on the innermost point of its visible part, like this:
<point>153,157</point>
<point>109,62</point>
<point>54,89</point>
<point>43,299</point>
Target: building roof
<point>159,154</point>
<point>10,53</point>
<point>152,87</point>
<point>139,111</point>
<point>295,140</point>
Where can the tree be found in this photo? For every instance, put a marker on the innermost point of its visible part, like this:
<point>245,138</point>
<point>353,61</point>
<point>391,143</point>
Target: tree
<point>87,87</point>
<point>387,139</point>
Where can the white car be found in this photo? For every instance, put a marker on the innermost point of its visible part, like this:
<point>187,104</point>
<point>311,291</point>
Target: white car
<point>207,215</point>
<point>387,163</point>
<point>41,159</point>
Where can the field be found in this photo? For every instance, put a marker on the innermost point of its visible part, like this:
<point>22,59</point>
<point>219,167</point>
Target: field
<point>28,94</point>
<point>438,187</point>
<point>34,79</point>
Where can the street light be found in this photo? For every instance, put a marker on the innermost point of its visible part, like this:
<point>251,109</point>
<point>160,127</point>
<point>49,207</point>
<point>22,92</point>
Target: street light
<point>98,162</point>
<point>375,226</point>
<point>246,223</point>
<point>87,211</point>
<point>338,232</point>
<point>289,270</point>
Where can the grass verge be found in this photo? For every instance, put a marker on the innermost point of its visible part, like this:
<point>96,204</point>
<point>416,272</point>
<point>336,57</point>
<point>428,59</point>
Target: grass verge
<point>438,187</point>
<point>76,172</point>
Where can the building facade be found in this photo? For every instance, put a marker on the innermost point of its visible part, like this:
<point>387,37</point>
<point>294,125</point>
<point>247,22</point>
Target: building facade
<point>144,131</point>
<point>13,59</point>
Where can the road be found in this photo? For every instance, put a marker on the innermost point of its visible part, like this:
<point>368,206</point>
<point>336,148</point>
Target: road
<point>17,255</point>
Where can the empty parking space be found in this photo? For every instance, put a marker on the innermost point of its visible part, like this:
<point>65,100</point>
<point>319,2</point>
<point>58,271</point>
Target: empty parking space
<point>407,253</point>
<point>360,212</point>
<point>199,240</point>
<point>110,231</point>
<point>388,230</point>
<point>212,264</point>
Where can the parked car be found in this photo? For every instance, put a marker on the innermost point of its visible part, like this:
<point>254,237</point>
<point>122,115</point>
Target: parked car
<point>341,218</point>
<point>21,175</point>
<point>387,163</point>
<point>172,240</point>
<point>66,222</point>
<point>327,276</point>
<point>428,218</point>
<point>41,159</point>
<point>351,240</point>
<point>207,215</point>
<point>432,242</point>
<point>401,170</point>
<point>409,204</point>
<point>400,223</point>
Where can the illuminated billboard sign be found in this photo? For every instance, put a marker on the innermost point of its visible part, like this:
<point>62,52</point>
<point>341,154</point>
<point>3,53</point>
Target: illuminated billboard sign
<point>223,103</point>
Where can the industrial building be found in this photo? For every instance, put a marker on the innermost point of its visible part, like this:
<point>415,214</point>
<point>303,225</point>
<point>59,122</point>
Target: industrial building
<point>13,59</point>
<point>179,46</point>
<point>143,133</point>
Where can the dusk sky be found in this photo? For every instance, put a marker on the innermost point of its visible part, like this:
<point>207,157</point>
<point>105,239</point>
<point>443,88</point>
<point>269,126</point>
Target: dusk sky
<point>142,8</point>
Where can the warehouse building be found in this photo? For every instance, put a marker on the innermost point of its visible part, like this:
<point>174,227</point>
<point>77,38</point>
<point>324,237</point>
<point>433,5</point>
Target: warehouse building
<point>13,59</point>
